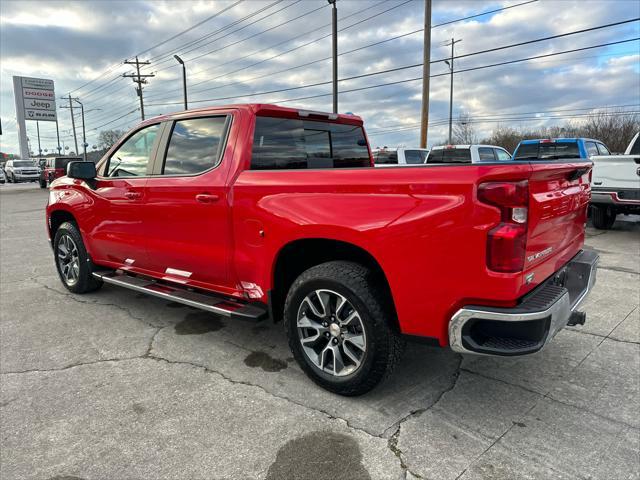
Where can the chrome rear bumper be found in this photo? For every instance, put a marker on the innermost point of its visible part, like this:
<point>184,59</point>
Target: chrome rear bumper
<point>528,327</point>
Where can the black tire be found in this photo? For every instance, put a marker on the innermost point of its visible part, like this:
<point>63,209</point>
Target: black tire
<point>43,184</point>
<point>10,178</point>
<point>85,281</point>
<point>603,216</point>
<point>384,345</point>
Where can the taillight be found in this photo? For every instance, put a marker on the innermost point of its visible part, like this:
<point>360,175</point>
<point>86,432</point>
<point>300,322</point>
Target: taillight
<point>506,243</point>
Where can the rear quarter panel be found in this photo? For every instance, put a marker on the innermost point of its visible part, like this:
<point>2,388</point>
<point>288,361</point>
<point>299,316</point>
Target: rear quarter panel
<point>422,224</point>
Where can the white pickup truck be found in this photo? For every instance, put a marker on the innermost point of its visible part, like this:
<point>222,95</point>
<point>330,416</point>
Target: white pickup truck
<point>615,185</point>
<point>467,154</point>
<point>385,157</point>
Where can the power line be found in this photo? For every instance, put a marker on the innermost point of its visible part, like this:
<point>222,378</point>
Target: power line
<point>390,70</point>
<point>164,96</point>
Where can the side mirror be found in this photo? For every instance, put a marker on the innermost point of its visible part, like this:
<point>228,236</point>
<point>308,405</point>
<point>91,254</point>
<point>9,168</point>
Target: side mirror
<point>82,170</point>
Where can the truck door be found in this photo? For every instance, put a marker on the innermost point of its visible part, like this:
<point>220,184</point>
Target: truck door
<point>186,218</point>
<point>119,236</point>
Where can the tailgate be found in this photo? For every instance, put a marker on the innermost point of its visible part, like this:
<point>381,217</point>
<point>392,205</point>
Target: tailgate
<point>616,171</point>
<point>559,196</point>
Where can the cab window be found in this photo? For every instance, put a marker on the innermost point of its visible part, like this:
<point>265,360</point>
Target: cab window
<point>502,155</point>
<point>486,154</point>
<point>592,149</point>
<point>195,145</point>
<point>132,157</point>
<point>602,149</point>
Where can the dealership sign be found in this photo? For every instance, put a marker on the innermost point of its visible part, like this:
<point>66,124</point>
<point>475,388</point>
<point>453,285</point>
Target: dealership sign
<point>35,100</point>
<point>38,98</point>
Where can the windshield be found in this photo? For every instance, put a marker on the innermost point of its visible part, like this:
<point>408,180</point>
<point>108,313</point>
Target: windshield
<point>23,164</point>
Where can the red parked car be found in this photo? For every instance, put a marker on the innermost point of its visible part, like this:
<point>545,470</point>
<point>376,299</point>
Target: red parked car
<point>54,167</point>
<point>256,211</point>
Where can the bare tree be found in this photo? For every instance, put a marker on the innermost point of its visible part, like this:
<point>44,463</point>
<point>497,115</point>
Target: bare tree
<point>107,138</point>
<point>463,131</point>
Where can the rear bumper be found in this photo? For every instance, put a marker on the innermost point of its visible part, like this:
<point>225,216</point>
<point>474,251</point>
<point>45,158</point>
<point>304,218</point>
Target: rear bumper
<point>527,328</point>
<point>626,196</point>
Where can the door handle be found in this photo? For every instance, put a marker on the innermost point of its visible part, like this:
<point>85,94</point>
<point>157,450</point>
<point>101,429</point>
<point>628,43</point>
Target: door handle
<point>133,195</point>
<point>207,198</point>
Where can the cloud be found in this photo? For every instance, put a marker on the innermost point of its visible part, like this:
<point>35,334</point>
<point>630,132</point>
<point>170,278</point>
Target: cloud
<point>77,42</point>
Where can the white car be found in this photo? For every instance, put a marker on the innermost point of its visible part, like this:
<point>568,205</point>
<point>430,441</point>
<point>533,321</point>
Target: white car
<point>615,183</point>
<point>468,154</point>
<point>21,171</point>
<point>384,157</point>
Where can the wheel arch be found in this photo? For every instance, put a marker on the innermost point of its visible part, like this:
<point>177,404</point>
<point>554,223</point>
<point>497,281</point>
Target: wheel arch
<point>299,255</point>
<point>57,218</point>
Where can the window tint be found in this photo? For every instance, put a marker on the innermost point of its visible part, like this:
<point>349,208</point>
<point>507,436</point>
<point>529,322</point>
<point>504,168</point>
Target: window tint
<point>195,145</point>
<point>486,154</point>
<point>502,155</point>
<point>386,157</point>
<point>281,143</point>
<point>450,155</point>
<point>602,149</point>
<point>547,151</point>
<point>635,148</point>
<point>415,157</point>
<point>132,157</point>
<point>63,162</point>
<point>591,148</point>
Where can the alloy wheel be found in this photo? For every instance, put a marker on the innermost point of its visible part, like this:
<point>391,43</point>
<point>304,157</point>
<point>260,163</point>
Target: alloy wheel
<point>331,332</point>
<point>68,260</point>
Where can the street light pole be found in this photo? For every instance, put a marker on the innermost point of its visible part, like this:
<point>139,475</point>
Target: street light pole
<point>84,132</point>
<point>334,35</point>
<point>184,79</point>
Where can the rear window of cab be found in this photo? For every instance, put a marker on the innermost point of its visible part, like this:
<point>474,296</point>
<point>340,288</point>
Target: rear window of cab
<point>547,150</point>
<point>450,155</point>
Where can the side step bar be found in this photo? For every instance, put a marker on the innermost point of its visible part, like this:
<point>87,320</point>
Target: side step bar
<point>228,307</point>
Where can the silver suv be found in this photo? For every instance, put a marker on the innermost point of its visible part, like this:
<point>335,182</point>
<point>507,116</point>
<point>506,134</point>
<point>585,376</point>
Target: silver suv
<point>21,171</point>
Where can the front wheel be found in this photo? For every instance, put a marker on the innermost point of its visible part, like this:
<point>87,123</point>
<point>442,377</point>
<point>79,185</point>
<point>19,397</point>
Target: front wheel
<point>603,217</point>
<point>337,322</point>
<point>43,184</point>
<point>72,261</point>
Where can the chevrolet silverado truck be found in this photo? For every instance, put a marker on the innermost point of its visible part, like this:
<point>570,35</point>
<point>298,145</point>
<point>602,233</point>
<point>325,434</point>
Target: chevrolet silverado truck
<point>259,211</point>
<point>615,185</point>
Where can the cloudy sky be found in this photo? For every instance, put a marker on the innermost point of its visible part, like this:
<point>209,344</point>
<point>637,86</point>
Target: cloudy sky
<point>236,50</point>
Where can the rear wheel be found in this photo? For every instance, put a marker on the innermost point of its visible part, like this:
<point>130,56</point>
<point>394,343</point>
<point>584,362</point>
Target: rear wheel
<point>337,322</point>
<point>603,216</point>
<point>72,261</point>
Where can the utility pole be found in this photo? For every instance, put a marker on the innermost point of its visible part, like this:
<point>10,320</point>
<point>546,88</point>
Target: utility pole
<point>38,131</point>
<point>426,72</point>
<point>73,123</point>
<point>139,79</point>
<point>84,132</point>
<point>334,35</point>
<point>450,63</point>
<point>58,135</point>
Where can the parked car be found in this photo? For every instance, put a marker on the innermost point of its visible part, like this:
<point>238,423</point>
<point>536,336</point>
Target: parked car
<point>21,171</point>
<point>385,157</point>
<point>467,154</point>
<point>258,211</point>
<point>615,184</point>
<point>55,167</point>
<point>559,148</point>
<point>3,177</point>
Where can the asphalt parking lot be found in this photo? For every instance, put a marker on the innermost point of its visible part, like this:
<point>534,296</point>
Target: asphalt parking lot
<point>118,385</point>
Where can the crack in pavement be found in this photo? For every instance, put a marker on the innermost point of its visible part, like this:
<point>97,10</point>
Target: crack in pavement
<point>392,442</point>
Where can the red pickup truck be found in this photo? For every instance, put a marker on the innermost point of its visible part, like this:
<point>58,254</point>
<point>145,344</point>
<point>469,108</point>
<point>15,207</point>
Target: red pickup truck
<point>258,211</point>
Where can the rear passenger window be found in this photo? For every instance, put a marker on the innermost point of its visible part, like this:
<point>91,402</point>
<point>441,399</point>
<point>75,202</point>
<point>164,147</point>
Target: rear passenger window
<point>486,154</point>
<point>282,143</point>
<point>502,155</point>
<point>195,145</point>
<point>602,149</point>
<point>592,149</point>
<point>415,157</point>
